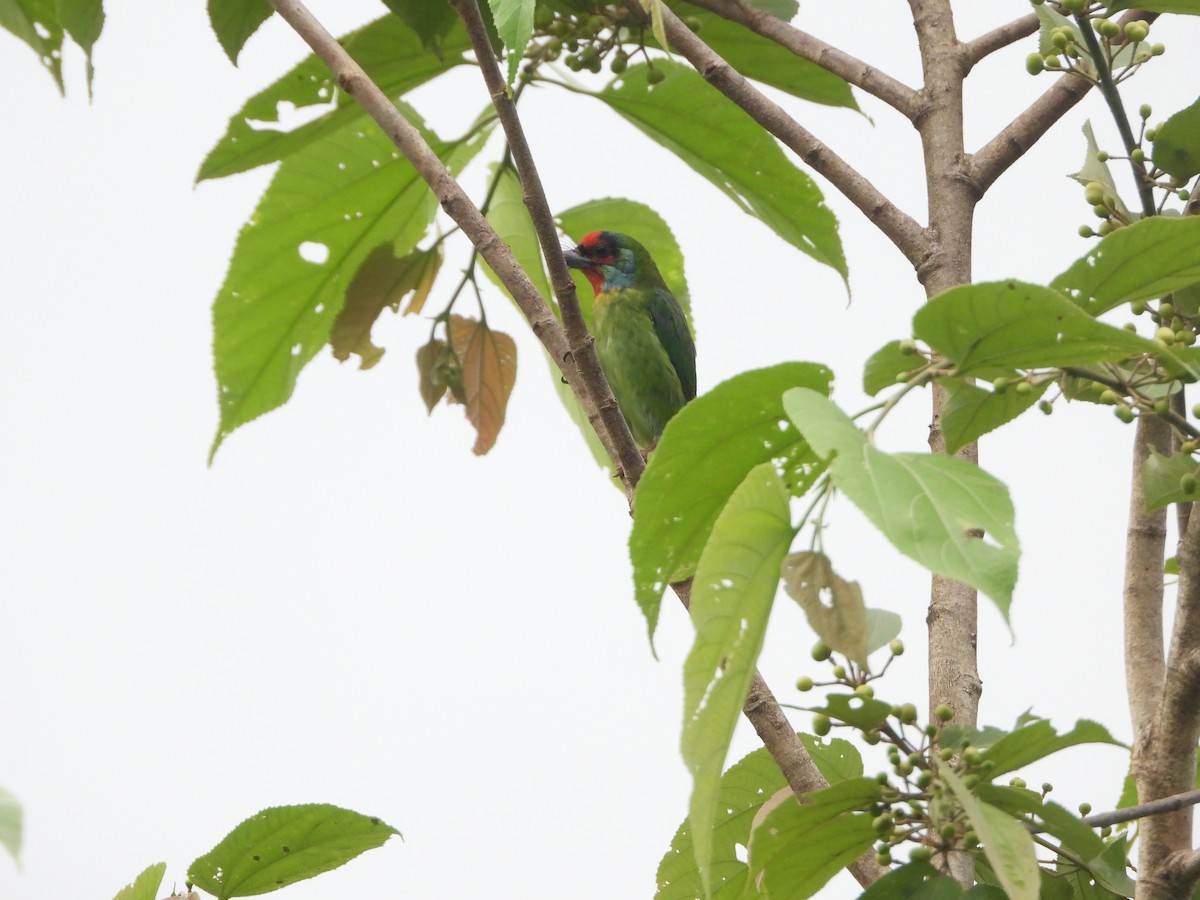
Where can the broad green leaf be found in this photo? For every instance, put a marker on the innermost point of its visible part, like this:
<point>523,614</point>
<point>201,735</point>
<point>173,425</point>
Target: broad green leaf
<point>285,844</point>
<point>706,451</point>
<point>1038,739</point>
<point>338,200</point>
<point>37,23</point>
<point>889,365</point>
<point>389,51</point>
<point>1177,144</point>
<point>780,9</point>
<point>489,371</point>
<point>795,849</point>
<point>1010,324</point>
<point>514,24</point>
<point>882,627</point>
<point>1142,261</point>
<point>1095,170</point>
<point>1048,20</point>
<point>145,886</point>
<point>1085,844</point>
<point>83,21</point>
<point>842,624</point>
<point>854,710</point>
<point>929,507</point>
<point>431,22</point>
<point>906,882</point>
<point>1162,479</point>
<point>763,60</point>
<point>235,20</point>
<point>972,411</point>
<point>732,593</point>
<point>1006,843</point>
<point>1188,7</point>
<point>10,824</point>
<point>691,119</point>
<point>836,759</point>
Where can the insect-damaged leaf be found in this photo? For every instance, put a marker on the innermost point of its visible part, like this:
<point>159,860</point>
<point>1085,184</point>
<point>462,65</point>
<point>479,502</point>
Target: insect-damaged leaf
<point>842,624</point>
<point>439,371</point>
<point>382,280</point>
<point>489,370</point>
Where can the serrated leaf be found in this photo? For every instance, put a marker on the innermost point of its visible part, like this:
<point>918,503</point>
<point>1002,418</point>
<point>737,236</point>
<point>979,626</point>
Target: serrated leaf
<point>336,201</point>
<point>514,25</point>
<point>842,622</point>
<point>382,280</point>
<point>836,759</point>
<point>431,22</point>
<point>888,365</point>
<point>695,122</point>
<point>1162,477</point>
<point>1177,144</point>
<point>732,593</point>
<point>795,849</point>
<point>234,21</point>
<point>11,828</point>
<point>285,844</point>
<point>929,507</point>
<point>389,51</point>
<point>863,714</point>
<point>37,23</point>
<point>706,451</point>
<point>1094,170</point>
<point>1048,20</point>
<point>1142,261</point>
<point>766,61</point>
<point>433,360</point>
<point>83,21</point>
<point>971,412</point>
<point>883,626</point>
<point>1038,739</point>
<point>1006,843</point>
<point>145,886</point>
<point>1010,324</point>
<point>489,371</point>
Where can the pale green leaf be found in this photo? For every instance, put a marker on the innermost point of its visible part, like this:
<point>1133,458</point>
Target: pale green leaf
<point>285,844</point>
<point>1188,7</point>
<point>883,626</point>
<point>1177,144</point>
<point>1162,479</point>
<point>909,882</point>
<point>1038,739</point>
<point>932,508</point>
<point>851,709</point>
<point>706,451</point>
<point>1095,170</point>
<point>514,25</point>
<point>732,593</point>
<point>972,412</point>
<point>145,886</point>
<point>235,20</point>
<point>889,365</point>
<point>1006,842</point>
<point>842,622</point>
<point>695,122</point>
<point>10,824</point>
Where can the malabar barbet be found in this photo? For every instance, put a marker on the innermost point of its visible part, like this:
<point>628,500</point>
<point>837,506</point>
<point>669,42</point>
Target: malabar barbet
<point>642,337</point>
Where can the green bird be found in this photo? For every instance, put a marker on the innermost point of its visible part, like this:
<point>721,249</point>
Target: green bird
<point>642,338</point>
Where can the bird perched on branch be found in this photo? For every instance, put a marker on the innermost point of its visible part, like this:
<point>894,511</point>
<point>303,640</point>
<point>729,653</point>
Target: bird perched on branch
<point>642,337</point>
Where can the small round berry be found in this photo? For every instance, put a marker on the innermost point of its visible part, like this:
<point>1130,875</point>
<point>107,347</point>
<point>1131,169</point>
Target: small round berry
<point>821,724</point>
<point>804,683</point>
<point>1035,63</point>
<point>896,646</point>
<point>943,713</point>
<point>821,651</point>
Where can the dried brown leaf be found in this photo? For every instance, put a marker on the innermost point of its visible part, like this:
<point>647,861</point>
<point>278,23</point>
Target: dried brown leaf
<point>489,370</point>
<point>843,623</point>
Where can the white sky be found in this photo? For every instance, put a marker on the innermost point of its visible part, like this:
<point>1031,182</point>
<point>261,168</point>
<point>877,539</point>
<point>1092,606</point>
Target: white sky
<point>349,607</point>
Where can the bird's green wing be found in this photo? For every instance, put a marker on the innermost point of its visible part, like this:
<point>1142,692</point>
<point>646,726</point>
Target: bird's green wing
<point>672,330</point>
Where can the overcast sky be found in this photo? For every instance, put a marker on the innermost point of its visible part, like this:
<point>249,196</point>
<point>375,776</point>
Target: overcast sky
<point>349,607</point>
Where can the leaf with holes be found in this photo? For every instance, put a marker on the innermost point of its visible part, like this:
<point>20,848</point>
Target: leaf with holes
<point>732,593</point>
<point>285,844</point>
<point>37,23</point>
<point>842,623</point>
<point>489,370</point>
<point>323,213</point>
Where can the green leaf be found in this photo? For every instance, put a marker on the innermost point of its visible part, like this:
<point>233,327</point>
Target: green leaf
<point>1085,844</point>
<point>732,593</point>
<point>972,411</point>
<point>854,710</point>
<point>431,22</point>
<point>337,200</point>
<point>795,849</point>
<point>1188,7</point>
<point>83,21</point>
<point>766,61</point>
<point>1094,170</point>
<point>695,122</point>
<point>389,51</point>
<point>882,627</point>
<point>1142,261</point>
<point>10,824</point>
<point>1048,20</point>
<point>145,886</point>
<point>1010,324</point>
<point>1006,843</point>
<point>285,844</point>
<point>706,451</point>
<point>836,759</point>
<point>842,624</point>
<point>906,883</point>
<point>1177,144</point>
<point>37,23</point>
<point>1038,739</point>
<point>889,365</point>
<point>514,24</point>
<point>780,9</point>
<point>929,507</point>
<point>1162,477</point>
<point>235,20</point>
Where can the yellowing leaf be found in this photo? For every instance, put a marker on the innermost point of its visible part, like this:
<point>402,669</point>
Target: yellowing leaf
<point>843,623</point>
<point>489,370</point>
<point>382,280</point>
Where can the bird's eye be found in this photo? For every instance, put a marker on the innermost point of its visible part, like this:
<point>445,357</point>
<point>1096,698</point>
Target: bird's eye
<point>601,251</point>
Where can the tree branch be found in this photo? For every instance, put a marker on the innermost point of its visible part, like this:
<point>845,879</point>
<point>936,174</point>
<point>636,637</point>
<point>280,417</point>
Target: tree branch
<point>878,84</point>
<point>1142,810</point>
<point>625,452</point>
<point>903,231</point>
<point>999,38</point>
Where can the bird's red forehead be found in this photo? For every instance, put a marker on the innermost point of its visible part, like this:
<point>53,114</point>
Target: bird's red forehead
<point>597,248</point>
<point>590,240</point>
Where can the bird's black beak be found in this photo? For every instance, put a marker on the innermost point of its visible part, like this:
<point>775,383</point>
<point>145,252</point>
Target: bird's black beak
<point>576,261</point>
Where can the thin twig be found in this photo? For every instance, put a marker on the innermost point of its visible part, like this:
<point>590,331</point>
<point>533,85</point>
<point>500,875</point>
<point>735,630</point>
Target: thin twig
<point>1142,810</point>
<point>999,38</point>
<point>904,231</point>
